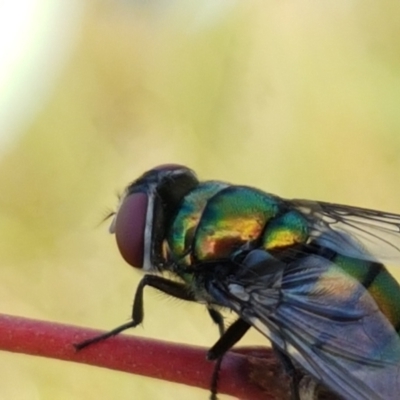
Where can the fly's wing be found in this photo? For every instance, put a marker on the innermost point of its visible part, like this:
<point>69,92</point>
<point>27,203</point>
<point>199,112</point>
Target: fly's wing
<point>375,234</point>
<point>322,318</point>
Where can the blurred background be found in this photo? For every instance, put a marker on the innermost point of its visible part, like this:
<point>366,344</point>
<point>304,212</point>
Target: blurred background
<point>298,98</point>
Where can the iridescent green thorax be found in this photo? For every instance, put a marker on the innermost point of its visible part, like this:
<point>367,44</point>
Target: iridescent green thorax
<point>214,220</point>
<point>285,230</point>
<point>183,228</point>
<point>234,217</point>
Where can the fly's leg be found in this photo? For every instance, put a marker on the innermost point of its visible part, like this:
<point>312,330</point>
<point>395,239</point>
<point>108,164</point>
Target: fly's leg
<point>116,331</point>
<point>218,319</point>
<point>232,335</point>
<point>291,371</point>
<point>228,339</point>
<point>215,379</point>
<point>172,288</point>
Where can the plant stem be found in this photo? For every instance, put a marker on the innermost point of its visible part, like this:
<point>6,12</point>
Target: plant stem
<point>251,373</point>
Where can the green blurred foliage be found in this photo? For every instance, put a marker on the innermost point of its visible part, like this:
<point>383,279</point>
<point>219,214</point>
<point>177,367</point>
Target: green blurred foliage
<point>297,98</point>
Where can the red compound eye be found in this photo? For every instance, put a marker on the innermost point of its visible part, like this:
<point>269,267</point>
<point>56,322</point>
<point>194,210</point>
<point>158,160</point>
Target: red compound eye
<point>130,224</point>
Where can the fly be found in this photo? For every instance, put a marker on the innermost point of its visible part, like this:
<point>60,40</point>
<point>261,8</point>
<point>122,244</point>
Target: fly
<point>308,275</point>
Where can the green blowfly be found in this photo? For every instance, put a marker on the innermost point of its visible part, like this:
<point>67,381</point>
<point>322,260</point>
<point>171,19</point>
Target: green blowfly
<point>308,275</point>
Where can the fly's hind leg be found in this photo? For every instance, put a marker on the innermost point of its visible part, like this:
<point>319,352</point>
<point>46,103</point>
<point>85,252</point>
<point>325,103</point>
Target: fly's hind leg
<point>291,371</point>
<point>228,339</point>
<point>218,319</point>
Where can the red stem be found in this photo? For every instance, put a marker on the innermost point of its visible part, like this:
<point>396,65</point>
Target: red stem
<point>252,373</point>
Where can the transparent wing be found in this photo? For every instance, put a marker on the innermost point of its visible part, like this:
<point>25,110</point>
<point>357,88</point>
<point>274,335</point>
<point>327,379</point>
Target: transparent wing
<point>375,235</point>
<point>323,319</point>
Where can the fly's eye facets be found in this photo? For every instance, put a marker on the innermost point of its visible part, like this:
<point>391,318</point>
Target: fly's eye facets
<point>130,224</point>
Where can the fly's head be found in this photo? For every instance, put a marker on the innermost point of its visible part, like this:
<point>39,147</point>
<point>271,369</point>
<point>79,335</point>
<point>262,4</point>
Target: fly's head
<point>145,212</point>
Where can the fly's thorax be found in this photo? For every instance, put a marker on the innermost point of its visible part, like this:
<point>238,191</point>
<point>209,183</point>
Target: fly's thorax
<point>232,220</point>
<point>287,229</point>
<point>181,233</point>
<point>216,220</point>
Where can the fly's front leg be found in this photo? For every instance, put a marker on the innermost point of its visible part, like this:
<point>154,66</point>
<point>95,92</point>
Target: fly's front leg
<point>172,288</point>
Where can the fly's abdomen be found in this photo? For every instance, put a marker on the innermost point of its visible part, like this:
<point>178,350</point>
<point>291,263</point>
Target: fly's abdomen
<point>376,279</point>
<point>333,301</point>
